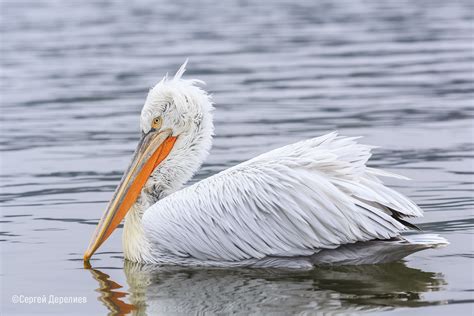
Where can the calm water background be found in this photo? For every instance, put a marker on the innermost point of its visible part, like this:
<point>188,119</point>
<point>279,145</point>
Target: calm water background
<point>75,75</point>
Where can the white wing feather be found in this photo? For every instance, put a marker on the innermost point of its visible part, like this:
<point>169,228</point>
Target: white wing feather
<point>293,201</point>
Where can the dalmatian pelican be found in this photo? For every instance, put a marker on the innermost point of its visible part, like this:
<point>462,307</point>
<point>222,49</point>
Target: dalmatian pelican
<point>314,201</point>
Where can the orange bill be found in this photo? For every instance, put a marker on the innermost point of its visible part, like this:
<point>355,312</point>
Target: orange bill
<point>153,148</point>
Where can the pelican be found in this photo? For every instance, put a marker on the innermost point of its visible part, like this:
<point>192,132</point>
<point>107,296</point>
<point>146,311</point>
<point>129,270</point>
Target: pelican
<point>314,201</point>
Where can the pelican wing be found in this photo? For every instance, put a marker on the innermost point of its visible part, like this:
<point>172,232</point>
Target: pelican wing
<point>293,201</point>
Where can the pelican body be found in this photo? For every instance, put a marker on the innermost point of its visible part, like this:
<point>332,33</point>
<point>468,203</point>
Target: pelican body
<point>311,202</point>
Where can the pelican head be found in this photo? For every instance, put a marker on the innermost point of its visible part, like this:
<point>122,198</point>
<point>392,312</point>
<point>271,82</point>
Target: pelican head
<point>177,129</point>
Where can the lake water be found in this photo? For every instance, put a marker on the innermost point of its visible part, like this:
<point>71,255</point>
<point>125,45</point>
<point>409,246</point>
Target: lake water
<point>75,75</point>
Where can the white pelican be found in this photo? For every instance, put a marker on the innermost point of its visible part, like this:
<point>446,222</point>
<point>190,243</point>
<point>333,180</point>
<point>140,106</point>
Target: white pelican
<point>287,207</point>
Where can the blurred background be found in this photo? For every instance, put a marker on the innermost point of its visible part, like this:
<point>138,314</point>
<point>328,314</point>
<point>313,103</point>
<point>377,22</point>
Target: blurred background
<point>74,76</point>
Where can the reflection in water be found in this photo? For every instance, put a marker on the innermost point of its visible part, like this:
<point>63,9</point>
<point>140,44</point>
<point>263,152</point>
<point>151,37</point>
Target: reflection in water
<point>111,298</point>
<point>162,290</point>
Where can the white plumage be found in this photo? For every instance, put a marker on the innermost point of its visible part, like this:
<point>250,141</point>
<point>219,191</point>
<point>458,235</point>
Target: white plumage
<point>293,201</point>
<point>280,208</point>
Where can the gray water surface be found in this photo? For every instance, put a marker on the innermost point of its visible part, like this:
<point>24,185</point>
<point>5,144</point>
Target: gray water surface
<point>75,75</point>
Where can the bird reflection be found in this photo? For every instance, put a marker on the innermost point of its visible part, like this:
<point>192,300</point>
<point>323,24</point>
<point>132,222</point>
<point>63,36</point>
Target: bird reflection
<point>109,296</point>
<point>163,290</point>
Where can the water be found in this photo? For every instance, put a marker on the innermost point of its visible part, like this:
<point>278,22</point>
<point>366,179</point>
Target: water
<point>74,78</point>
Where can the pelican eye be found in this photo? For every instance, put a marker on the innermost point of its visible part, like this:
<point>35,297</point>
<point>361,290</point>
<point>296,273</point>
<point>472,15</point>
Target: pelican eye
<point>156,123</point>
